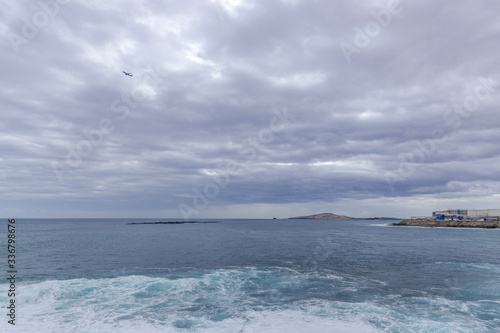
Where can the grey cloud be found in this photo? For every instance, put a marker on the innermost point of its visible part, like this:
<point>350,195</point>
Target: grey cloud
<point>207,82</point>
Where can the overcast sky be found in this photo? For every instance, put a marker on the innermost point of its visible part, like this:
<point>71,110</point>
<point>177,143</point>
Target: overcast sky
<point>250,109</point>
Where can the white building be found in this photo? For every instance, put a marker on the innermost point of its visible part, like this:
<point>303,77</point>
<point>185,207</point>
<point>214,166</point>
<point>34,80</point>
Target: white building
<point>467,214</point>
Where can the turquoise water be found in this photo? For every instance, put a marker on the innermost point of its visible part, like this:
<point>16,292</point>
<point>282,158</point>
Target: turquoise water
<point>91,275</point>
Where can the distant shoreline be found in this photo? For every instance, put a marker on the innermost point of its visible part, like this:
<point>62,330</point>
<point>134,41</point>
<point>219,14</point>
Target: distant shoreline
<point>449,224</point>
<point>330,216</point>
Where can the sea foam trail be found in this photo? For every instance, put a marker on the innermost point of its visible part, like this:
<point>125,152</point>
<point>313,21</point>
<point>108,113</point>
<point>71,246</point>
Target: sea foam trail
<point>236,300</point>
<point>223,301</point>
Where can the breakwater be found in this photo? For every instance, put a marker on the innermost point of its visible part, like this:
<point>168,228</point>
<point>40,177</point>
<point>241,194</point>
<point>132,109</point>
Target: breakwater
<point>449,224</point>
<point>174,222</point>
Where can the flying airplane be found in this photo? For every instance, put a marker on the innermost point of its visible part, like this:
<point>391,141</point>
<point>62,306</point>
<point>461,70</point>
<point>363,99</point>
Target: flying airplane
<point>128,74</point>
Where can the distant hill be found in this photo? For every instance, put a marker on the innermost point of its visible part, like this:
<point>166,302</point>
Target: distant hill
<point>322,216</point>
<point>330,216</point>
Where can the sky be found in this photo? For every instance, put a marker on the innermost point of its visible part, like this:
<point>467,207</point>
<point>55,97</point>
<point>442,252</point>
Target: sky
<point>248,109</point>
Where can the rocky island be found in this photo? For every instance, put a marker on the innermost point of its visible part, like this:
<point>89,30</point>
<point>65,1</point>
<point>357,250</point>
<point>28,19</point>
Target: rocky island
<point>330,216</point>
<point>322,216</point>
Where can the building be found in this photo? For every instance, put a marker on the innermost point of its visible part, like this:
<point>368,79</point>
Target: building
<point>468,214</point>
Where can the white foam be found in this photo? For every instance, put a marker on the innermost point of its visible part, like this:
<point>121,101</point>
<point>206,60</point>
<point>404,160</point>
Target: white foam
<point>294,321</point>
<point>181,304</point>
<point>381,224</point>
<point>225,301</point>
<point>108,305</point>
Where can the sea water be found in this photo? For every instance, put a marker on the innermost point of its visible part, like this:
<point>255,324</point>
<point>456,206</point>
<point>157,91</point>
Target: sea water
<point>105,275</point>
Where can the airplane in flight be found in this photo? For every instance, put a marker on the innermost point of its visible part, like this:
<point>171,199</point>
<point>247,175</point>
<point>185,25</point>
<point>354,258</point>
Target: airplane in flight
<point>128,74</point>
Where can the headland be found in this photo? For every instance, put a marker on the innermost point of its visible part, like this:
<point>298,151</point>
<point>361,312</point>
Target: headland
<point>330,216</point>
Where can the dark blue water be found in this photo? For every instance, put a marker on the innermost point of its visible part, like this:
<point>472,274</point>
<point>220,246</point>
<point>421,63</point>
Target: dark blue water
<point>93,275</point>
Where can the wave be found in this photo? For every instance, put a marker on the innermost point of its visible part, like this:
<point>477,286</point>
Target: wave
<point>243,300</point>
<point>482,267</point>
<point>381,224</point>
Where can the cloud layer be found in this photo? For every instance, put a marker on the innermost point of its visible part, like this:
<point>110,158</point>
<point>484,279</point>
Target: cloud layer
<point>248,108</point>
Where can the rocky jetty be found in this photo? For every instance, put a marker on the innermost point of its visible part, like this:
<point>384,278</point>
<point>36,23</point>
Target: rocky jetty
<point>450,224</point>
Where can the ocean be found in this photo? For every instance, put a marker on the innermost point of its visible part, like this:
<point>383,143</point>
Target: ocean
<point>105,275</point>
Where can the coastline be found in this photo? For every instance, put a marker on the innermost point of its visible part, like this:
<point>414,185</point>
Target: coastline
<point>331,216</point>
<point>449,224</point>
